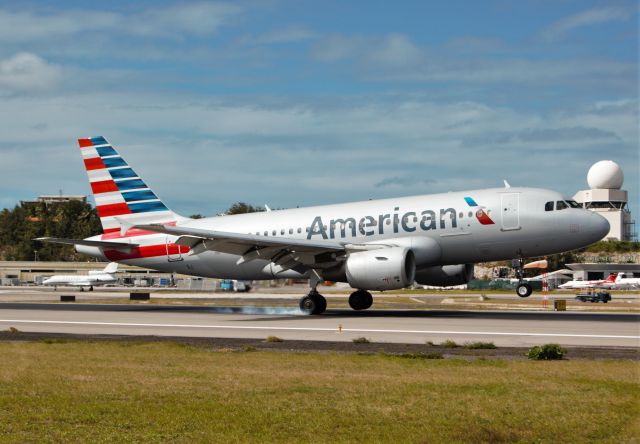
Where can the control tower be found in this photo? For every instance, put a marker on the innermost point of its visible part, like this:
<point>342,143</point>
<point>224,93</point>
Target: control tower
<point>605,178</point>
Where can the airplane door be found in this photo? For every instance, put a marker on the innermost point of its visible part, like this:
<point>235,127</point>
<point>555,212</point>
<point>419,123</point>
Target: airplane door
<point>174,252</point>
<point>510,211</point>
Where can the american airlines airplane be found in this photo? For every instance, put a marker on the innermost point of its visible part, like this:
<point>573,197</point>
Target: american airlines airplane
<point>94,278</point>
<point>383,244</point>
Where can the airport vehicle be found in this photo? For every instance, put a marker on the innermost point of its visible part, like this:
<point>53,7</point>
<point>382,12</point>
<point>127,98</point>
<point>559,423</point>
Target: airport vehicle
<point>624,282</point>
<point>598,296</point>
<point>598,283</point>
<point>382,244</point>
<point>235,285</point>
<point>94,278</point>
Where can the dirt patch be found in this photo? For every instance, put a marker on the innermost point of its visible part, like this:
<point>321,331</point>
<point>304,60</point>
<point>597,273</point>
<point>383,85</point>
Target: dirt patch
<point>339,347</point>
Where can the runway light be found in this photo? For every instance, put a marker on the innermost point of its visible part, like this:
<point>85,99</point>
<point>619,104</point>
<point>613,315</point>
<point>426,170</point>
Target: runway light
<point>339,328</point>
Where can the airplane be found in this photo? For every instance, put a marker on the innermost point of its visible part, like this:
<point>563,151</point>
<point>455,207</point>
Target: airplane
<point>598,283</point>
<point>94,278</point>
<point>384,244</point>
<point>623,282</point>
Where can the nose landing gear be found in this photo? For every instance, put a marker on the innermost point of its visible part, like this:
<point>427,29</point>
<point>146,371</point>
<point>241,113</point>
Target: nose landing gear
<point>523,289</point>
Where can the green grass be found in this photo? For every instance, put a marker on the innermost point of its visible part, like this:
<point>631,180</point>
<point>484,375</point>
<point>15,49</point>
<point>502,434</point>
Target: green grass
<point>123,391</point>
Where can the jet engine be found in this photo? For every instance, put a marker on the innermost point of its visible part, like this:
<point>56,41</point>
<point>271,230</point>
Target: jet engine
<point>382,269</point>
<point>445,276</point>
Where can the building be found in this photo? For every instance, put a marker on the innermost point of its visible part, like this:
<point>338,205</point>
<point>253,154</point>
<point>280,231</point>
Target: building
<point>53,199</point>
<point>605,197</point>
<point>595,271</point>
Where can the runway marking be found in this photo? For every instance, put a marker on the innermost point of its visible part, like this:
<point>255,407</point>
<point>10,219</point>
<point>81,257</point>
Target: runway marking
<point>322,329</point>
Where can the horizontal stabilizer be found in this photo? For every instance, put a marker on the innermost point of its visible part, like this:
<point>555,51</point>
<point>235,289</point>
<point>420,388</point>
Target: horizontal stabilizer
<point>89,243</point>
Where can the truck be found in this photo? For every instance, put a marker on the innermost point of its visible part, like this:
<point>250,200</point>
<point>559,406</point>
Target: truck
<point>596,296</point>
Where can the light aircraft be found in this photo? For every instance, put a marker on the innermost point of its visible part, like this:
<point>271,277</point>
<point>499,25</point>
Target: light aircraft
<point>598,283</point>
<point>382,244</point>
<point>94,278</point>
<point>623,282</point>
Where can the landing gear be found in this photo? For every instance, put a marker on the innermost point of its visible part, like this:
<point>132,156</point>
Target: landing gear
<point>523,289</point>
<point>313,303</point>
<point>91,288</point>
<point>360,300</point>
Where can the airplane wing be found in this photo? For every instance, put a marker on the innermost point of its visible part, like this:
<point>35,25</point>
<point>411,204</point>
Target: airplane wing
<point>286,253</point>
<point>90,243</point>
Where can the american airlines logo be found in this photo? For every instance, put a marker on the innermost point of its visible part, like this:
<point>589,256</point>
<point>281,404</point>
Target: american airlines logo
<point>396,222</point>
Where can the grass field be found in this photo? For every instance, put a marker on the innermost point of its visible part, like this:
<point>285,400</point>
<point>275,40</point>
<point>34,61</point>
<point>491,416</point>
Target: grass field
<point>123,391</point>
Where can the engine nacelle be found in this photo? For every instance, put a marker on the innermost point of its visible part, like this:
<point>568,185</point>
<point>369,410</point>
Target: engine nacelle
<point>445,276</point>
<point>381,269</point>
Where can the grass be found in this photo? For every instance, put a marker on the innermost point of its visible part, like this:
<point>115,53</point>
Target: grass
<point>479,345</point>
<point>273,339</point>
<point>144,391</point>
<point>360,340</point>
<point>449,344</point>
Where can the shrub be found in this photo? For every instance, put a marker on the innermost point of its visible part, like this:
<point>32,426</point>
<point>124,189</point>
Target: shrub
<point>430,343</point>
<point>449,344</point>
<point>249,348</point>
<point>421,355</point>
<point>274,339</point>
<point>360,340</point>
<point>13,330</point>
<point>479,345</point>
<point>546,352</point>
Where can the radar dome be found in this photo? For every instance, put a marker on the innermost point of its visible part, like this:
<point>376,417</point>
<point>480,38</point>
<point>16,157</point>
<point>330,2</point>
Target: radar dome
<point>605,174</point>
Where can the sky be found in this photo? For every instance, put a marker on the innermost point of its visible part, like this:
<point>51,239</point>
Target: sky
<point>298,103</point>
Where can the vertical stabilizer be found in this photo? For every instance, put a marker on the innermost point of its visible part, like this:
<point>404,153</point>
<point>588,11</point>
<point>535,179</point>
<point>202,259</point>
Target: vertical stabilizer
<point>122,198</point>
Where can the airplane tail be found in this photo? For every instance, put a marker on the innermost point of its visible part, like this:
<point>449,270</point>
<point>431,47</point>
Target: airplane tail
<point>122,198</point>
<point>611,279</point>
<point>111,268</point>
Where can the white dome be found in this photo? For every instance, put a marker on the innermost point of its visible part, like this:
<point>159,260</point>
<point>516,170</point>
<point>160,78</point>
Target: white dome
<point>605,174</point>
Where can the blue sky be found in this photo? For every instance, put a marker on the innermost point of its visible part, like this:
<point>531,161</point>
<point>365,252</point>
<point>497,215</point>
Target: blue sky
<point>296,103</point>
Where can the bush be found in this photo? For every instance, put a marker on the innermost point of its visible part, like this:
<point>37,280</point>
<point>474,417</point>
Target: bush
<point>449,344</point>
<point>546,352</point>
<point>249,348</point>
<point>479,345</point>
<point>361,340</point>
<point>430,343</point>
<point>13,330</point>
<point>274,339</point>
<point>421,355</point>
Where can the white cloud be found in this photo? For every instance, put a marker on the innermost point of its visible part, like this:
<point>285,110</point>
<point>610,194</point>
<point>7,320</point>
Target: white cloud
<point>26,73</point>
<point>288,34</point>
<point>590,17</point>
<point>170,21</point>
<point>396,50</point>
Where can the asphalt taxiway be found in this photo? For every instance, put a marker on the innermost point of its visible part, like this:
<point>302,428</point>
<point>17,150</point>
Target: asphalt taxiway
<point>393,326</point>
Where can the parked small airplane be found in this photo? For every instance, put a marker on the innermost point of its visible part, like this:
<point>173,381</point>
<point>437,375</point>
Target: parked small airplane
<point>597,283</point>
<point>94,278</point>
<point>383,244</point>
<point>624,282</point>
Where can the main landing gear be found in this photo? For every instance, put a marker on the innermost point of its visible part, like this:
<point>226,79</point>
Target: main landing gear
<point>360,300</point>
<point>313,303</point>
<point>523,289</point>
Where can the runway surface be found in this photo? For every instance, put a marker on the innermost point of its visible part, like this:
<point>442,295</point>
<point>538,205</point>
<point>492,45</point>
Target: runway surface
<point>399,326</point>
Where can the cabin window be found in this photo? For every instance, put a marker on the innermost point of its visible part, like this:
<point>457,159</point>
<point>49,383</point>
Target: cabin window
<point>290,230</point>
<point>282,232</point>
<point>299,230</point>
<point>470,213</point>
<point>548,206</point>
<point>266,233</point>
<point>274,232</point>
<point>561,205</point>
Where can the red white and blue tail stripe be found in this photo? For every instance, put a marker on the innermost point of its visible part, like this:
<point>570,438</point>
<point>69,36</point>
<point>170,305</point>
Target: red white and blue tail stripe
<point>122,197</point>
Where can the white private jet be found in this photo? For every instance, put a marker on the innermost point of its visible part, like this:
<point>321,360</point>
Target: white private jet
<point>94,278</point>
<point>597,283</point>
<point>372,245</point>
<point>624,282</point>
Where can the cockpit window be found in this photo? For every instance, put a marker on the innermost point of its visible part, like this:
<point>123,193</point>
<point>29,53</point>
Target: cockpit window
<point>561,205</point>
<point>548,206</point>
<point>574,204</point>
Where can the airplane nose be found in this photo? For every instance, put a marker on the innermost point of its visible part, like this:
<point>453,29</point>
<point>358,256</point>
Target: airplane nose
<point>598,226</point>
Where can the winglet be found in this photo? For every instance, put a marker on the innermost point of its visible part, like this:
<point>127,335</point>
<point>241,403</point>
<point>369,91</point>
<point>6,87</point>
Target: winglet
<point>506,184</point>
<point>267,209</point>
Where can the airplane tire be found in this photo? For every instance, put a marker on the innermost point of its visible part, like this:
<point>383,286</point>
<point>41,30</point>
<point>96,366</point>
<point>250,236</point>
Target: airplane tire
<point>313,304</point>
<point>524,290</point>
<point>360,300</point>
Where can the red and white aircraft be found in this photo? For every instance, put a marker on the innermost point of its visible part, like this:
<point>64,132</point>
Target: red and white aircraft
<point>373,245</point>
<point>597,283</point>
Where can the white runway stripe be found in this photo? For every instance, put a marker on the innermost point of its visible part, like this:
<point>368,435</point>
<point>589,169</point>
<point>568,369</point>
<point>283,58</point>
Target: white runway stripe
<point>353,330</point>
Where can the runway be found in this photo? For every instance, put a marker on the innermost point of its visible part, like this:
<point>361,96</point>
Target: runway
<point>397,326</point>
